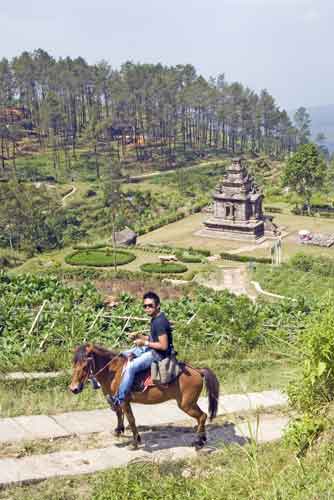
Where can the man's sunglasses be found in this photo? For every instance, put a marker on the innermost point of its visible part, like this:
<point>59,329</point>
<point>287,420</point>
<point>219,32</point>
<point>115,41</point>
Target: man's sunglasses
<point>148,306</point>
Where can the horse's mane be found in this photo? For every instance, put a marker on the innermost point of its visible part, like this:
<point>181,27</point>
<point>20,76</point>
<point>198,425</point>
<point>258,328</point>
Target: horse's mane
<point>80,353</point>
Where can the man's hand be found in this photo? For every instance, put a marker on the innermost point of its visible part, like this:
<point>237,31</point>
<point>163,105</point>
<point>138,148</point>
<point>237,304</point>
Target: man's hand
<point>139,342</point>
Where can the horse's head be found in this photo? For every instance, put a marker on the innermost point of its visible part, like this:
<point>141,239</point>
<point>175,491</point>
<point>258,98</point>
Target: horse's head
<point>83,367</point>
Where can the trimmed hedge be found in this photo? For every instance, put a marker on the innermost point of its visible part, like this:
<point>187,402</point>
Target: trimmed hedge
<point>173,250</point>
<point>273,210</point>
<point>98,258</point>
<point>169,267</point>
<point>245,258</point>
<point>186,257</point>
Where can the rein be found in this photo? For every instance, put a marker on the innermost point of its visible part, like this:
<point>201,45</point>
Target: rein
<point>91,369</point>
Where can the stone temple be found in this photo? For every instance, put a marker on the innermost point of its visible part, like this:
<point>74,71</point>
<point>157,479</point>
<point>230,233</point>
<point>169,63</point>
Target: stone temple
<point>237,206</point>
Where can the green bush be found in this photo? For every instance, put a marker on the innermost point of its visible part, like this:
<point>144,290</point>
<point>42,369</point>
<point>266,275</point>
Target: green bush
<point>169,267</point>
<point>186,257</point>
<point>99,258</point>
<point>245,258</point>
<point>323,266</point>
<point>303,432</point>
<point>312,392</point>
<point>273,210</point>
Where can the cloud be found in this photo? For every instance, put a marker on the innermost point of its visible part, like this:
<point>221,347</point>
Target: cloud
<point>311,15</point>
<point>269,3</point>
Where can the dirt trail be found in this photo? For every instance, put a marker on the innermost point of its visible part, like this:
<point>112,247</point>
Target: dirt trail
<point>64,198</point>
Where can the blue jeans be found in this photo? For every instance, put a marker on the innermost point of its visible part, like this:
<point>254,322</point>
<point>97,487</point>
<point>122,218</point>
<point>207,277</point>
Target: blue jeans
<point>137,351</point>
<point>143,362</point>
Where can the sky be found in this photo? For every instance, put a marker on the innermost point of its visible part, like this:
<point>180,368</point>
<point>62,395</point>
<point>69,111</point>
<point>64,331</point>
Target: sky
<point>284,46</point>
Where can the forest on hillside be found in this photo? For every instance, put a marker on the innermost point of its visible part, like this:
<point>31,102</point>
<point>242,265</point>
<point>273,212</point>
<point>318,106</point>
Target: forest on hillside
<point>141,110</point>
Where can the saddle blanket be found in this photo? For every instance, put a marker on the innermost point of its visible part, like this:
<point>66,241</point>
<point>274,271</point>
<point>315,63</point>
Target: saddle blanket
<point>143,381</point>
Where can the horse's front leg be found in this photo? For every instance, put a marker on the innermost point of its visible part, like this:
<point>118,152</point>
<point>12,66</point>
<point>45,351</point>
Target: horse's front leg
<point>131,419</point>
<point>119,430</point>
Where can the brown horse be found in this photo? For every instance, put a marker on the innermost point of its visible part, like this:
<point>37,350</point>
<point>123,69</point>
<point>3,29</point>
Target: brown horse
<point>95,361</point>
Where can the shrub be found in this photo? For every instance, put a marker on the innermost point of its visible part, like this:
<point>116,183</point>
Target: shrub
<point>302,262</point>
<point>99,258</point>
<point>90,193</point>
<point>186,257</point>
<point>245,258</point>
<point>323,266</point>
<point>170,267</point>
<point>273,210</point>
<point>312,392</point>
<point>303,432</point>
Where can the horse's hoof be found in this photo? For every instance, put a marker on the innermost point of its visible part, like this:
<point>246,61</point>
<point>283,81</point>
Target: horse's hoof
<point>118,432</point>
<point>134,444</point>
<point>198,444</point>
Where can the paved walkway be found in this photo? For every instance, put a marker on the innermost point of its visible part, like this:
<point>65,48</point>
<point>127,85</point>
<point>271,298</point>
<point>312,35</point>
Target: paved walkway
<point>159,443</point>
<point>30,428</point>
<point>64,198</point>
<point>259,289</point>
<point>31,375</point>
<point>178,446</point>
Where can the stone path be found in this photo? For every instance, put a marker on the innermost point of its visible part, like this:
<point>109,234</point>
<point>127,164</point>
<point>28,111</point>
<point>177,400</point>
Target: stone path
<point>31,375</point>
<point>29,428</point>
<point>259,289</point>
<point>39,467</point>
<point>160,443</point>
<point>64,198</point>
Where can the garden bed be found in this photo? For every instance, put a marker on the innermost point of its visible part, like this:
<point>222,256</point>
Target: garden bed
<point>168,268</point>
<point>99,258</point>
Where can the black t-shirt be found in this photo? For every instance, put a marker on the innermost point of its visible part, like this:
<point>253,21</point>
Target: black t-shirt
<point>159,326</point>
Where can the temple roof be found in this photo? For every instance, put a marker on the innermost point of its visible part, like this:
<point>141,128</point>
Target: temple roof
<point>237,180</point>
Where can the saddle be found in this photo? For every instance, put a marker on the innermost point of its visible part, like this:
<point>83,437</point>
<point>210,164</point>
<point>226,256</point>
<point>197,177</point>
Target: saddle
<point>143,380</point>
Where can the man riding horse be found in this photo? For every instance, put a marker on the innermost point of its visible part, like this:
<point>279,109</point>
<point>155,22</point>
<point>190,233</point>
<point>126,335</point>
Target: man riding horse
<point>115,374</point>
<point>149,348</point>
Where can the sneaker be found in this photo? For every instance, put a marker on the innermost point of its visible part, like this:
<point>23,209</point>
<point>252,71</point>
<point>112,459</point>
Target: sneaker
<point>113,401</point>
<point>95,384</point>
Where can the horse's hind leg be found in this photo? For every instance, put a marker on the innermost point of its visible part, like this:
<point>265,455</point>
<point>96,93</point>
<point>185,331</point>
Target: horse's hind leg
<point>193,410</point>
<point>131,419</point>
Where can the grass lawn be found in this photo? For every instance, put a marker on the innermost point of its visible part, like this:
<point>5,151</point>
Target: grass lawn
<point>182,234</point>
<point>57,258</point>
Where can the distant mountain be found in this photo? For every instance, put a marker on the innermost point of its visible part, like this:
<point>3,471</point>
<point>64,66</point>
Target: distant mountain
<point>323,121</point>
<point>322,118</point>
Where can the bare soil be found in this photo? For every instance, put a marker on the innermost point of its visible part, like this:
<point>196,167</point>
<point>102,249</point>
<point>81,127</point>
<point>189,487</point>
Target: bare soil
<point>137,288</point>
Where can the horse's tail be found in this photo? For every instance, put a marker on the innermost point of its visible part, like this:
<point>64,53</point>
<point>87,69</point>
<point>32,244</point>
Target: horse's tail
<point>212,386</point>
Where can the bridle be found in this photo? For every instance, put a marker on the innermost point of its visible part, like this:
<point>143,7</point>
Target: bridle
<point>91,369</point>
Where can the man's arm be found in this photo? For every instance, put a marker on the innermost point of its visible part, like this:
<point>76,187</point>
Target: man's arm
<point>138,335</point>
<point>161,345</point>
